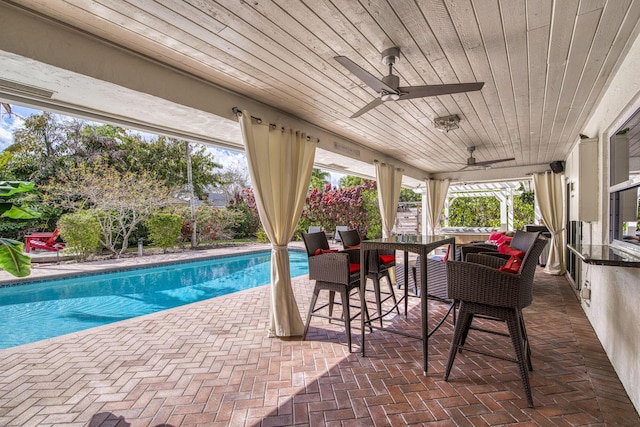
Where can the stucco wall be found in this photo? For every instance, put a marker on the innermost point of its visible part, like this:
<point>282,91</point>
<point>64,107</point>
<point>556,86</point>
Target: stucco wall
<point>614,306</point>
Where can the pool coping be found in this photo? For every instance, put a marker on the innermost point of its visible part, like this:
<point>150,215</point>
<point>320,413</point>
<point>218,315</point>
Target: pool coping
<point>91,268</point>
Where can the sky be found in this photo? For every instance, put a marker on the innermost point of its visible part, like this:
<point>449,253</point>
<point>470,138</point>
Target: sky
<point>9,123</point>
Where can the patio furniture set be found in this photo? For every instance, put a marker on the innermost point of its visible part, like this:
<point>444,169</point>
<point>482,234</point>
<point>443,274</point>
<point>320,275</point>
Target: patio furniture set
<point>484,281</point>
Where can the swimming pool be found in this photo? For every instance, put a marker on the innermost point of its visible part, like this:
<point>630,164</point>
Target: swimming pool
<point>36,311</point>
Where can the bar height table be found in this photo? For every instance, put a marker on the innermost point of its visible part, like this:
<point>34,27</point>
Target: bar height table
<point>420,245</point>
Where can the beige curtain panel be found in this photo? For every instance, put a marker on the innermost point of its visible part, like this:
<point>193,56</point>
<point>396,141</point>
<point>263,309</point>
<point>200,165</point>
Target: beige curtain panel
<point>389,181</point>
<point>280,164</point>
<point>436,195</point>
<point>549,189</point>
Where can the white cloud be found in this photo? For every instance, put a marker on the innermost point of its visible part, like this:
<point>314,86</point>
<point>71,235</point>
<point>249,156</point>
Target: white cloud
<point>9,123</point>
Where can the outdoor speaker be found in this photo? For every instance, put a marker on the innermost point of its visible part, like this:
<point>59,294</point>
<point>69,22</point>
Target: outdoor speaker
<point>556,166</point>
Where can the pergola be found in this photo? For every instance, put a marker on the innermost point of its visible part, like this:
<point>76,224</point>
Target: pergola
<point>503,191</point>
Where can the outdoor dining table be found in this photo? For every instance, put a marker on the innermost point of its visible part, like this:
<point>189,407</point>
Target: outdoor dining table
<point>420,245</point>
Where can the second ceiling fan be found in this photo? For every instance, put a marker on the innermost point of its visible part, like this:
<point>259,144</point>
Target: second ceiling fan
<point>389,87</point>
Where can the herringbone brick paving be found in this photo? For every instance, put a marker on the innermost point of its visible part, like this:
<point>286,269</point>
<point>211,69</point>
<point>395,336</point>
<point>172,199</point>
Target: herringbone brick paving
<point>212,364</point>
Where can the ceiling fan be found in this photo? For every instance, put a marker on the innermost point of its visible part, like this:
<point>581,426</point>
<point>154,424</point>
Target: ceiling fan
<point>389,87</point>
<point>471,161</point>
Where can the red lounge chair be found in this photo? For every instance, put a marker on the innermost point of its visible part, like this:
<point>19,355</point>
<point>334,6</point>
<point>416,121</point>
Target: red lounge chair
<point>44,241</point>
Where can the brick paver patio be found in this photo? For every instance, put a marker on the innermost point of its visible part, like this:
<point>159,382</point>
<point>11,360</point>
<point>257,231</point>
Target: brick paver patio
<point>212,364</point>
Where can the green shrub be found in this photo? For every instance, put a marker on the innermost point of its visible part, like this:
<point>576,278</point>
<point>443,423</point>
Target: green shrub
<point>211,223</point>
<point>164,229</point>
<point>81,232</point>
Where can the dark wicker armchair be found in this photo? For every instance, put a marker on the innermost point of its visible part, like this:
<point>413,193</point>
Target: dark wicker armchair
<point>378,264</point>
<point>486,292</point>
<point>335,272</point>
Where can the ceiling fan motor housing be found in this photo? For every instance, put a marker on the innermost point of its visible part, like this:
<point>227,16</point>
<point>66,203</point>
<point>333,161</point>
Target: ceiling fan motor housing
<point>391,55</point>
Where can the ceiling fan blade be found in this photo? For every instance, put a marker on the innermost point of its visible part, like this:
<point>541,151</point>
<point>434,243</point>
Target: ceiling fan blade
<point>490,162</point>
<point>369,79</point>
<point>373,104</point>
<point>410,92</point>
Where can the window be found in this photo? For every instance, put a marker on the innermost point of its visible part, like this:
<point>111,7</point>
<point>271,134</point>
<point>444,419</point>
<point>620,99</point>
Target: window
<point>624,181</point>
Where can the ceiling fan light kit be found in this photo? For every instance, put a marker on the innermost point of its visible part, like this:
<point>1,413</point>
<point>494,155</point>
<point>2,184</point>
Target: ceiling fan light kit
<point>447,123</point>
<point>389,87</point>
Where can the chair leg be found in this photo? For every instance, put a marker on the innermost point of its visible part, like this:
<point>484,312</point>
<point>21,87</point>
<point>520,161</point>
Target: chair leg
<point>525,338</point>
<point>332,298</point>
<point>393,294</point>
<point>312,305</point>
<point>468,321</point>
<point>461,330</point>
<point>346,313</point>
<point>376,291</point>
<point>514,325</point>
<point>365,310</point>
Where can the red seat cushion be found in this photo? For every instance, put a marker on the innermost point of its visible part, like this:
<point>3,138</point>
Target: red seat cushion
<point>512,266</point>
<point>325,251</point>
<point>386,259</point>
<point>354,268</point>
<point>352,247</point>
<point>505,248</point>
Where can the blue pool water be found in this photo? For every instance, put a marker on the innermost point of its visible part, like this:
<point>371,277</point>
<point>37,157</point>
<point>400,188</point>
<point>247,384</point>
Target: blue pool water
<point>37,311</point>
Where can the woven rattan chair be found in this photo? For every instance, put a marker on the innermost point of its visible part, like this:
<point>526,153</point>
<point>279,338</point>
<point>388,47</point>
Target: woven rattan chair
<point>484,291</point>
<point>379,263</point>
<point>334,272</point>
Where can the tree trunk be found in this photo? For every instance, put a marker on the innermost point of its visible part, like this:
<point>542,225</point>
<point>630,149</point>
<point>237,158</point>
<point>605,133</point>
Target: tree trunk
<point>192,198</point>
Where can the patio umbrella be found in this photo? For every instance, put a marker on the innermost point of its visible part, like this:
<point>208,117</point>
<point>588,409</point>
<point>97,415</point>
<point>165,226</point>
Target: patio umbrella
<point>280,163</point>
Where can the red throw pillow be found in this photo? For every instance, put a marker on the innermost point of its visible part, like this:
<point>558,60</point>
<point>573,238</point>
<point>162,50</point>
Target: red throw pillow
<point>354,268</point>
<point>503,239</point>
<point>386,259</point>
<point>512,266</point>
<point>325,251</point>
<point>505,248</point>
<point>496,235</point>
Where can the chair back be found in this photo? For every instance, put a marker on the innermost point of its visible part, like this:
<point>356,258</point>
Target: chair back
<point>315,241</point>
<point>52,240</point>
<point>314,229</point>
<point>350,238</point>
<point>339,228</point>
<point>530,260</point>
<point>524,240</point>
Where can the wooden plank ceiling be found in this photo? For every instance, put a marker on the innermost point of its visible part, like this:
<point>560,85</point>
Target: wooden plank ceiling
<point>544,64</point>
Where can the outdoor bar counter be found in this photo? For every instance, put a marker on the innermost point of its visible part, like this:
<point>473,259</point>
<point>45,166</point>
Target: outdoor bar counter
<point>605,255</point>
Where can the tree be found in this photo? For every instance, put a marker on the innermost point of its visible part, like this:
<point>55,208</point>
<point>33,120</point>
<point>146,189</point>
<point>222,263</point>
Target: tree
<point>120,201</point>
<point>50,143</point>
<point>318,179</point>
<point>474,212</point>
<point>408,195</point>
<point>350,181</point>
<point>146,156</point>
<point>233,181</point>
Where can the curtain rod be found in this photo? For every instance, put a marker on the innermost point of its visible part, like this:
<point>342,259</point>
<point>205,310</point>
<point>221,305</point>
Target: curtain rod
<point>258,120</point>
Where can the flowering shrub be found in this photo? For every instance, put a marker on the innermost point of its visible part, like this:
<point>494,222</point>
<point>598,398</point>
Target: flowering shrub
<point>356,207</point>
<point>248,220</point>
